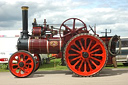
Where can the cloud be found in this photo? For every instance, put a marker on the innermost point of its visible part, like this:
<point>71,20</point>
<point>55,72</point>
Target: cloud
<point>105,14</point>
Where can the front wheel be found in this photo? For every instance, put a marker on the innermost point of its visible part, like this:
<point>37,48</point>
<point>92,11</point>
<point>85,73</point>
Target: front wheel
<point>85,54</point>
<point>21,64</point>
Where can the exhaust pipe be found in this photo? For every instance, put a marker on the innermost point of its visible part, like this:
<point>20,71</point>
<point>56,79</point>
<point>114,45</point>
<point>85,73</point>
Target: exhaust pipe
<point>22,43</point>
<point>24,33</point>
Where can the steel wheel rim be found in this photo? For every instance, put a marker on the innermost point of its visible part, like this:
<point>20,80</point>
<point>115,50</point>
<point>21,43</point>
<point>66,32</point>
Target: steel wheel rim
<point>21,64</point>
<point>85,65</point>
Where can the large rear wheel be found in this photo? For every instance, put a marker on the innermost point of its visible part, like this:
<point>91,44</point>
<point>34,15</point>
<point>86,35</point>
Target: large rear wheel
<point>85,54</point>
<point>22,64</point>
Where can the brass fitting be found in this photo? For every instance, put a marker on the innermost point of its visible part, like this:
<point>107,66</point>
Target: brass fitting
<point>24,7</point>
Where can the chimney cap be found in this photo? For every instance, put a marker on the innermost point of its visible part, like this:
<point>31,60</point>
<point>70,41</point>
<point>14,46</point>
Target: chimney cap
<point>24,7</point>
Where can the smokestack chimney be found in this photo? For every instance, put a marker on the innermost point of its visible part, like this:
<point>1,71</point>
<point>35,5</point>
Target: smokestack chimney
<point>24,22</point>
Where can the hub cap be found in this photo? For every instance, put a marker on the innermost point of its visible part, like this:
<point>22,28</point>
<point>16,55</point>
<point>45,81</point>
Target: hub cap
<point>21,64</point>
<point>85,54</point>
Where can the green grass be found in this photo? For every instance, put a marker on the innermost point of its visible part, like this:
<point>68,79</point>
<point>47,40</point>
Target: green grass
<point>4,68</point>
<point>55,64</point>
<point>119,65</point>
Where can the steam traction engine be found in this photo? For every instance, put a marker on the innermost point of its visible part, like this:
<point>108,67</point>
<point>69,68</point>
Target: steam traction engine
<point>85,54</point>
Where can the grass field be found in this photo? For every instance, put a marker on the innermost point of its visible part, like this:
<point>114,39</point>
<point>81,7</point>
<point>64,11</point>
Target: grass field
<point>55,64</point>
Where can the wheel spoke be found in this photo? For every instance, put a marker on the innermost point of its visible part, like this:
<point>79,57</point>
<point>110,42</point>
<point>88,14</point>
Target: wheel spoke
<point>73,54</point>
<point>19,71</point>
<point>15,69</point>
<point>80,65</point>
<point>85,67</point>
<point>19,58</point>
<point>94,46</point>
<point>81,45</point>
<point>26,70</point>
<point>67,34</point>
<point>74,24</point>
<point>95,59</point>
<point>94,63</point>
<point>15,59</point>
<point>85,40</point>
<point>67,27</point>
<point>76,63</point>
<point>75,50</point>
<point>23,69</point>
<point>89,65</point>
<point>76,46</point>
<point>97,55</point>
<point>14,64</point>
<point>29,64</point>
<point>95,50</point>
<point>74,59</point>
<point>89,45</point>
<point>80,29</point>
<point>28,59</point>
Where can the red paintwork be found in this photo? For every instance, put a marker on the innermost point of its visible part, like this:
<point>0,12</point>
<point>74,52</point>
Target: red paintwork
<point>85,54</point>
<point>68,33</point>
<point>16,59</point>
<point>57,55</point>
<point>41,45</point>
<point>106,40</point>
<point>36,31</point>
<point>37,58</point>
<point>83,65</point>
<point>37,45</point>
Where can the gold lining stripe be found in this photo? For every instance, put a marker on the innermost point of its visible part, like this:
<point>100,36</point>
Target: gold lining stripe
<point>47,47</point>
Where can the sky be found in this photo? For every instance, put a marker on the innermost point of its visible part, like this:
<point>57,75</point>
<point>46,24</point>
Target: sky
<point>106,14</point>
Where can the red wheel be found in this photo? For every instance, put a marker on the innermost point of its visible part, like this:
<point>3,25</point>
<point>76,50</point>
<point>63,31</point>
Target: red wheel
<point>71,30</point>
<point>85,54</point>
<point>38,61</point>
<point>21,64</point>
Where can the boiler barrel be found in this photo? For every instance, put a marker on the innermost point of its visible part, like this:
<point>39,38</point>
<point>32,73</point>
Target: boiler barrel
<point>44,46</point>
